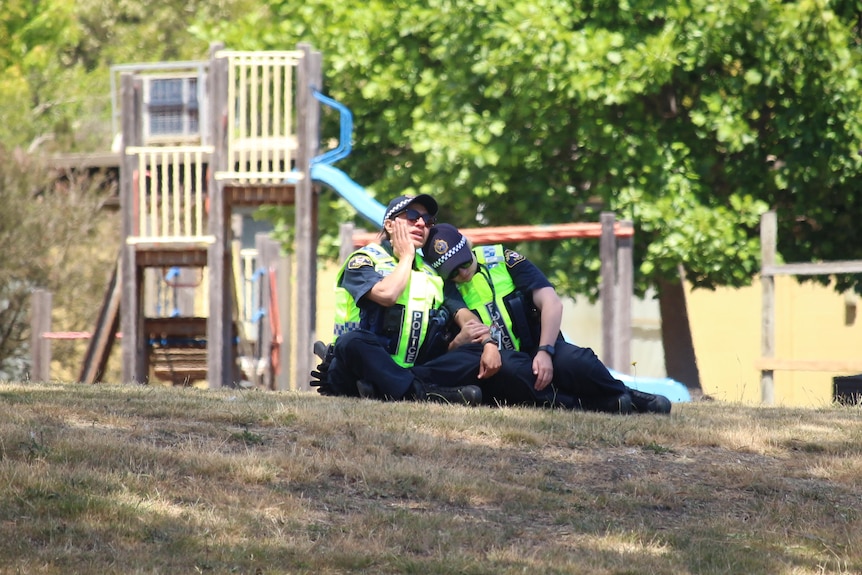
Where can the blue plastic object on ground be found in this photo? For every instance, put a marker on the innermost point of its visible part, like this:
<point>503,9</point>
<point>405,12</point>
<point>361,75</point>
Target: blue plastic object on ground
<point>675,391</point>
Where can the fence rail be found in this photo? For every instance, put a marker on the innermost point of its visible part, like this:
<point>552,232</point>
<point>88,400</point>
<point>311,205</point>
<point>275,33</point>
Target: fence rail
<point>261,122</point>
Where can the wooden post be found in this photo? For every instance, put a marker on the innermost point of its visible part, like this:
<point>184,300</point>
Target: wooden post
<point>768,241</point>
<point>40,347</point>
<point>285,310</point>
<point>268,253</point>
<point>308,123</point>
<point>345,237</point>
<point>131,311</point>
<point>220,320</point>
<point>607,251</point>
<point>624,294</point>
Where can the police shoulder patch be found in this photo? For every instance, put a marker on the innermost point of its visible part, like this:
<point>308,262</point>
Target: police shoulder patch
<point>359,261</point>
<point>513,258</point>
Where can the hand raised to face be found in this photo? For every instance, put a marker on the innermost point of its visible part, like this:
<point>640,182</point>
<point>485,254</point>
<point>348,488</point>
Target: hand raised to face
<point>403,238</point>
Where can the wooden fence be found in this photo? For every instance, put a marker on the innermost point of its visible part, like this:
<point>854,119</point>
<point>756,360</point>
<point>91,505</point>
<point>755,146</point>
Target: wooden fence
<point>768,363</point>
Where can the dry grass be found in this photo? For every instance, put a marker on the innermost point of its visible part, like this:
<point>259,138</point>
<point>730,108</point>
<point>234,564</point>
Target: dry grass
<point>130,479</point>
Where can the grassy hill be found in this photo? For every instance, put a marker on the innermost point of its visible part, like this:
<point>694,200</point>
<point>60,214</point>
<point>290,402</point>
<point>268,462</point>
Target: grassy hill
<point>149,479</point>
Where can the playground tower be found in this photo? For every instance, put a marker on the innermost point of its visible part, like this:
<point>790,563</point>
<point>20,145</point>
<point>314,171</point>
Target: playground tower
<point>259,134</point>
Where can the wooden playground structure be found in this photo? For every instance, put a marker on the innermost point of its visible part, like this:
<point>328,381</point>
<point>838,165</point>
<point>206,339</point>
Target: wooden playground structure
<point>258,135</point>
<point>258,138</point>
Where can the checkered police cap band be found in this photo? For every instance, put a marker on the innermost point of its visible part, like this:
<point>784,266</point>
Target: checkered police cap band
<point>397,208</point>
<point>399,204</point>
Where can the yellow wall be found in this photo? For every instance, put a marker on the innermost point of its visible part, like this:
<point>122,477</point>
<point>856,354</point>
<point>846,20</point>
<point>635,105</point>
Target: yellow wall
<point>811,323</point>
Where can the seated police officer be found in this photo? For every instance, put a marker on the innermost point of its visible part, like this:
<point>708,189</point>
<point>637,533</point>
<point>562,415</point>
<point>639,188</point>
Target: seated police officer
<point>391,317</point>
<point>512,296</point>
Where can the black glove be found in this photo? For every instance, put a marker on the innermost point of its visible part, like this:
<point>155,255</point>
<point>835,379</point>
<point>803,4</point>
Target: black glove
<point>320,378</point>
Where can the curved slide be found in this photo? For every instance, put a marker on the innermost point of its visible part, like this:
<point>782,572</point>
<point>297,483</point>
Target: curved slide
<point>356,196</point>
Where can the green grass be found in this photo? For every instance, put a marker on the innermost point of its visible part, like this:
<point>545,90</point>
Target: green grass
<point>150,479</point>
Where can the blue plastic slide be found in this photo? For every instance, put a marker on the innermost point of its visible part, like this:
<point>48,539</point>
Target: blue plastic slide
<point>356,196</point>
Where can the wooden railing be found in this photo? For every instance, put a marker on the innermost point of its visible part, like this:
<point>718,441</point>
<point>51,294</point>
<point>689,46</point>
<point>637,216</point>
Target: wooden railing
<point>168,192</point>
<point>261,120</point>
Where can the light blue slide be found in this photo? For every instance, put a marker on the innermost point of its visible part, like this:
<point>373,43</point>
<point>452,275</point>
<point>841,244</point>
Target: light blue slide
<point>356,196</point>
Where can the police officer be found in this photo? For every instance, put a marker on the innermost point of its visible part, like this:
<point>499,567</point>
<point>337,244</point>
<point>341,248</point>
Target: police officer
<point>512,296</point>
<point>390,319</point>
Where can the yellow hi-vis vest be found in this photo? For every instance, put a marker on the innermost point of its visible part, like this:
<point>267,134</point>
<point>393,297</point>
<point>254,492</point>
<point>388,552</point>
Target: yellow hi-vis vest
<point>487,298</point>
<point>423,293</point>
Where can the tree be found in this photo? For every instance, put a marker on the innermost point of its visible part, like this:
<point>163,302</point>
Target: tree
<point>51,234</point>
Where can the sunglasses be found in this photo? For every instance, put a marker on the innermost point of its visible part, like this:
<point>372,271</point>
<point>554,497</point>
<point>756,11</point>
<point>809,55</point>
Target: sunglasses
<point>465,266</point>
<point>413,216</point>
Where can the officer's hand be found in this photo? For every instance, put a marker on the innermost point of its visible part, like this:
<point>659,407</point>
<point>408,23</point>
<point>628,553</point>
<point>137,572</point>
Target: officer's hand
<point>473,331</point>
<point>543,369</point>
<point>490,362</point>
<point>402,240</point>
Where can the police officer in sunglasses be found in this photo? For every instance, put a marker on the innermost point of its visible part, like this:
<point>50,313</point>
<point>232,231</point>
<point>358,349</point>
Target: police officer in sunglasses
<point>391,318</point>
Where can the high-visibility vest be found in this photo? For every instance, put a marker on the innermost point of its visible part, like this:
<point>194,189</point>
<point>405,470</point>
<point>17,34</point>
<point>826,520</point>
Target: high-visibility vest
<point>423,293</point>
<point>486,295</point>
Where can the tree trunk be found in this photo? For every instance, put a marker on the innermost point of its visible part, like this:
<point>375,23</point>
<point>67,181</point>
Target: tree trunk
<point>679,357</point>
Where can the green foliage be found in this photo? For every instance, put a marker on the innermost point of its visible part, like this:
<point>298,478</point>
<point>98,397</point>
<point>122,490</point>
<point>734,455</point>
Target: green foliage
<point>689,118</point>
<point>37,41</point>
<point>50,237</point>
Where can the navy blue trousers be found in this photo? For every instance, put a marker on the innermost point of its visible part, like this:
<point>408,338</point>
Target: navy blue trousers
<point>359,355</point>
<point>579,377</point>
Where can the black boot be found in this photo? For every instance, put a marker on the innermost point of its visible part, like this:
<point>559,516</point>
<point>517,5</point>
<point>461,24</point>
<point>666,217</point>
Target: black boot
<point>648,403</point>
<point>465,394</point>
<point>366,390</point>
<point>621,404</point>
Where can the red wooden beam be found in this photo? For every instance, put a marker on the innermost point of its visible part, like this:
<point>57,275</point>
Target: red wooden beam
<point>508,234</point>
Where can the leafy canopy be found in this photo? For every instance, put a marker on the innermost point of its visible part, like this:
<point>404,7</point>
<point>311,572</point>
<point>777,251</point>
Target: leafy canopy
<point>689,118</point>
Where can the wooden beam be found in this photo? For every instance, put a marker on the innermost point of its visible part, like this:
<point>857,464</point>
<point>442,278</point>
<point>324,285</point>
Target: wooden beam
<point>220,365</point>
<point>813,268</point>
<point>310,77</point>
<point>829,365</point>
<point>102,340</point>
<point>131,309</point>
<point>508,234</point>
<point>623,298</point>
<point>608,288</point>
<point>40,323</point>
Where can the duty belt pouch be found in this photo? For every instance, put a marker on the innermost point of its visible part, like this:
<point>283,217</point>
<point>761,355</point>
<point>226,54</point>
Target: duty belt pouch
<point>436,338</point>
<point>393,320</point>
<point>525,320</point>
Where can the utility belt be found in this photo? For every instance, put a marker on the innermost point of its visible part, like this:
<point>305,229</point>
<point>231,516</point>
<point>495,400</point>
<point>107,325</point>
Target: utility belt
<point>436,341</point>
<point>525,318</point>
